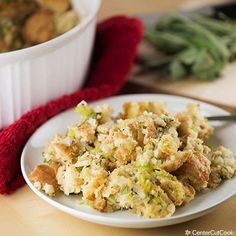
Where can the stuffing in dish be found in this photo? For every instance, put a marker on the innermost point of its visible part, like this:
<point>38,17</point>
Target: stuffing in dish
<point>24,23</point>
<point>146,160</point>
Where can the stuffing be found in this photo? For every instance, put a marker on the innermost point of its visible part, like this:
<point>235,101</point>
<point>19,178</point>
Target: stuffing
<point>192,124</point>
<point>196,170</point>
<point>175,189</point>
<point>44,177</point>
<point>39,27</point>
<point>133,109</point>
<point>146,160</point>
<point>223,166</point>
<point>25,23</point>
<point>135,189</point>
<point>57,6</point>
<point>68,179</point>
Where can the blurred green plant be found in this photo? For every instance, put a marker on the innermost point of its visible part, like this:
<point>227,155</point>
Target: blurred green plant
<point>199,46</point>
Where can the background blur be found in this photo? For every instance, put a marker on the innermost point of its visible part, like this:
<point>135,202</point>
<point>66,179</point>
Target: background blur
<point>112,7</point>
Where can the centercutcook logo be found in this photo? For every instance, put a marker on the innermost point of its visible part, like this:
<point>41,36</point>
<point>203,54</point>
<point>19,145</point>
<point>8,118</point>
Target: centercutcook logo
<point>209,232</point>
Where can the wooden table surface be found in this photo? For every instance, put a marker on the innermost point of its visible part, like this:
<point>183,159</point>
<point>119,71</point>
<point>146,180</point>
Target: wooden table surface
<point>23,213</point>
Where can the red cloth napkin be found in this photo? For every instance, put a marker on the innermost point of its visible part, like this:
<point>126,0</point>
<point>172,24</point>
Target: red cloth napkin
<point>114,52</point>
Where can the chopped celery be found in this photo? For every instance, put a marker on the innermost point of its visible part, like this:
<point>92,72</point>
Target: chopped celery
<point>142,178</point>
<point>71,133</point>
<point>158,201</point>
<point>161,173</point>
<point>148,146</point>
<point>86,202</point>
<point>145,183</point>
<point>148,186</point>
<point>109,156</point>
<point>94,115</point>
<point>84,109</point>
<point>157,166</point>
<point>146,167</point>
<point>125,190</point>
<point>95,150</point>
<point>47,161</point>
<point>111,200</point>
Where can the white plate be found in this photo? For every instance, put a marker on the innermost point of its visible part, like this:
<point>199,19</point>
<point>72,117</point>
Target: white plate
<point>202,204</point>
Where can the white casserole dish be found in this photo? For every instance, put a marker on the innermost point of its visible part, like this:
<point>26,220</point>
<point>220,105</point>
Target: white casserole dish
<point>32,76</point>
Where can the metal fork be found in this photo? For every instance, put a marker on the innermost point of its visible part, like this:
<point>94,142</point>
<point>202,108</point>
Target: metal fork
<point>222,118</point>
